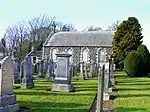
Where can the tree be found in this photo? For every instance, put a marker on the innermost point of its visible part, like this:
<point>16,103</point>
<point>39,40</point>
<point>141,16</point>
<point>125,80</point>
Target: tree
<point>31,32</point>
<point>127,38</point>
<point>114,26</point>
<point>91,28</point>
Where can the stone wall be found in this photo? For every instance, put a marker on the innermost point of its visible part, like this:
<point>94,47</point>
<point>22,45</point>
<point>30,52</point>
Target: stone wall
<point>93,52</point>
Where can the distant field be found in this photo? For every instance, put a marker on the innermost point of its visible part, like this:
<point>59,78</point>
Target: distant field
<point>133,94</point>
<point>40,99</point>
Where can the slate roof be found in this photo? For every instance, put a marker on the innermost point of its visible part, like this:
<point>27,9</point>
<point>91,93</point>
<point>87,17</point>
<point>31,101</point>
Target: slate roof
<point>75,38</point>
<point>35,53</point>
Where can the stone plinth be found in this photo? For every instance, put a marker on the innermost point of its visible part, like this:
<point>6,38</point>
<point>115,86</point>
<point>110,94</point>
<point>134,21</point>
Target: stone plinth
<point>7,98</point>
<point>62,81</point>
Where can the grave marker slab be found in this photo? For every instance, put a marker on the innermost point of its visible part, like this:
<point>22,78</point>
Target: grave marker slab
<point>51,71</point>
<point>41,69</point>
<point>82,75</point>
<point>7,98</point>
<point>62,81</point>
<point>16,79</point>
<point>27,81</point>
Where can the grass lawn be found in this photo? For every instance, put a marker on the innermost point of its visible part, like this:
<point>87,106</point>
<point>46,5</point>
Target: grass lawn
<point>40,99</point>
<point>133,94</point>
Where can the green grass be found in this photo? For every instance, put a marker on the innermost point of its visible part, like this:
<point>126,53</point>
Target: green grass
<point>40,99</point>
<point>133,94</point>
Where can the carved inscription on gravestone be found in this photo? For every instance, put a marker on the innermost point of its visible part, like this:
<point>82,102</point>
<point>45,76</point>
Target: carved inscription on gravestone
<point>61,68</point>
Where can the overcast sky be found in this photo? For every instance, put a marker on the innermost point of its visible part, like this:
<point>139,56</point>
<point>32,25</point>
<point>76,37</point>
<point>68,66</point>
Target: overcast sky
<point>80,13</point>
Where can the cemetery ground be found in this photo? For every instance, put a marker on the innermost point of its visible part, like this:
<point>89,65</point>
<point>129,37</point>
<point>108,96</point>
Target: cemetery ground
<point>133,94</point>
<point>41,99</point>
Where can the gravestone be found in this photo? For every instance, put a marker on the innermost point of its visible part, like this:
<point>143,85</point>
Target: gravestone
<point>46,65</point>
<point>21,70</point>
<point>82,76</point>
<point>71,70</point>
<point>41,69</point>
<point>100,88</point>
<point>112,79</point>
<point>92,69</point>
<point>51,71</point>
<point>114,67</point>
<point>62,81</point>
<point>75,70</point>
<point>106,82</point>
<point>110,76</point>
<point>7,98</point>
<point>38,67</point>
<point>27,81</point>
<point>55,66</point>
<point>16,79</point>
<point>85,70</point>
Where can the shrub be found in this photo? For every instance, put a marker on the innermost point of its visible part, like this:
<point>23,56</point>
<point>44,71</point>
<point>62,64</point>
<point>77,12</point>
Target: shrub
<point>134,65</point>
<point>146,56</point>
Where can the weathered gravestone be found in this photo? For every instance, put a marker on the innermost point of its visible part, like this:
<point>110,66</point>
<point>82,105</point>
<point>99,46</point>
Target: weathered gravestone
<point>27,81</point>
<point>82,75</point>
<point>92,69</point>
<point>71,70</point>
<point>51,71</point>
<point>21,70</point>
<point>62,81</point>
<point>86,70</point>
<point>106,82</point>
<point>75,69</point>
<point>112,79</point>
<point>41,69</point>
<point>109,78</point>
<point>16,79</point>
<point>46,65</point>
<point>100,88</point>
<point>38,67</point>
<point>7,98</point>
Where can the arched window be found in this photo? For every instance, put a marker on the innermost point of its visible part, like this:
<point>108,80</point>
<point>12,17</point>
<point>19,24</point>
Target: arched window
<point>54,52</point>
<point>85,55</point>
<point>101,56</point>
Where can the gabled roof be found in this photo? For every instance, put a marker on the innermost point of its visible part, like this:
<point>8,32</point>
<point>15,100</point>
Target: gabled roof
<point>35,53</point>
<point>75,38</point>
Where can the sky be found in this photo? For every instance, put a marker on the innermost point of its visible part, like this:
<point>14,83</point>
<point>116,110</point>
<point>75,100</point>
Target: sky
<point>80,13</point>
